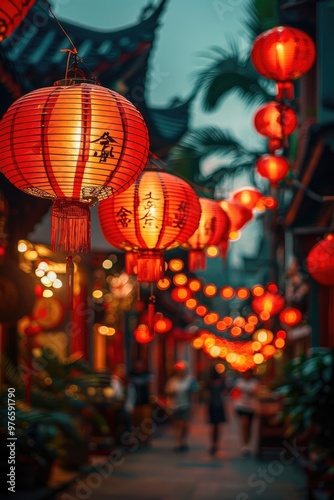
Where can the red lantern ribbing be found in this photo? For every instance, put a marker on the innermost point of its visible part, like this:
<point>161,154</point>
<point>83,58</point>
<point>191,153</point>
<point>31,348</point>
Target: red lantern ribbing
<point>275,121</point>
<point>158,212</point>
<point>213,226</point>
<point>74,143</point>
<point>238,214</point>
<point>283,54</point>
<point>320,261</point>
<point>11,14</point>
<point>272,167</point>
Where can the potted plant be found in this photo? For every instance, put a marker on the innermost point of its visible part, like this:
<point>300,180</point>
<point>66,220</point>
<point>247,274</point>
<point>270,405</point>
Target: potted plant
<point>308,403</point>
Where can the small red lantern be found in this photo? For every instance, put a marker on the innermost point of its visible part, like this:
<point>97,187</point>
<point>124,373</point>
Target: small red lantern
<point>268,302</point>
<point>272,167</point>
<point>290,316</point>
<point>163,325</point>
<point>248,197</point>
<point>238,214</point>
<point>143,335</point>
<point>283,54</point>
<point>11,14</point>
<point>74,143</point>
<point>214,224</point>
<point>158,212</point>
<point>320,261</point>
<point>275,121</point>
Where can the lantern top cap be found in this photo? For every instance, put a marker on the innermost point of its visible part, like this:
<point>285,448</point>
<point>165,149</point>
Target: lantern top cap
<point>67,82</point>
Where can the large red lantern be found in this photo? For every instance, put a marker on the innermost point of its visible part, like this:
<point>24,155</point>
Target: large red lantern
<point>11,14</point>
<point>238,214</point>
<point>143,335</point>
<point>320,261</point>
<point>283,54</point>
<point>290,316</point>
<point>272,167</point>
<point>214,224</point>
<point>74,143</point>
<point>248,197</point>
<point>275,121</point>
<point>158,212</point>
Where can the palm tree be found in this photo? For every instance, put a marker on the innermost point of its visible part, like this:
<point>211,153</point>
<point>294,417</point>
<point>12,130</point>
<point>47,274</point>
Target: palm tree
<point>228,71</point>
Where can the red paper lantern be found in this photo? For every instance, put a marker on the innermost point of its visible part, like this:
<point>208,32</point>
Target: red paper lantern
<point>272,167</point>
<point>163,325</point>
<point>283,54</point>
<point>158,212</point>
<point>290,316</point>
<point>143,335</point>
<point>11,14</point>
<point>75,143</point>
<point>275,121</point>
<point>238,214</point>
<point>268,302</point>
<point>248,197</point>
<point>320,261</point>
<point>213,225</point>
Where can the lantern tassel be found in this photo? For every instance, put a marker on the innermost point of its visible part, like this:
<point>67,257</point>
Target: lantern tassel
<point>151,314</point>
<point>196,260</point>
<point>70,226</point>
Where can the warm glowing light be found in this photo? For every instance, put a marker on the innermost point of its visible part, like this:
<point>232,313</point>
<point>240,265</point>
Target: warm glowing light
<point>256,346</point>
<point>268,350</point>
<point>45,280</point>
<point>221,326</point>
<point>211,318</point>
<point>257,290</point>
<point>180,279</point>
<point>163,325</point>
<point>290,316</point>
<point>214,351</point>
<point>234,235</point>
<point>231,357</point>
<point>281,334</point>
<point>279,343</point>
<point>176,265</point>
<point>258,358</point>
<point>264,315</point>
<point>164,283</point>
<point>262,336</point>
<point>212,251</point>
<point>194,285</point>
<point>236,331</point>
<point>249,328</point>
<point>107,264</point>
<point>181,294</point>
<point>242,293</point>
<point>272,287</point>
<point>201,310</point>
<point>51,275</point>
<point>31,255</point>
<point>220,368</point>
<point>228,320</point>
<point>209,342</point>
<point>278,354</point>
<point>239,321</point>
<point>57,283</point>
<point>22,246</point>
<point>103,330</point>
<point>47,293</point>
<point>227,292</point>
<point>97,294</point>
<point>210,290</point>
<point>39,273</point>
<point>252,319</point>
<point>43,265</point>
<point>191,303</point>
<point>197,343</point>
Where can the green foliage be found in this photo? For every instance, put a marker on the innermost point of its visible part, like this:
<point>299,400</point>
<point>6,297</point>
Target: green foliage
<point>309,398</point>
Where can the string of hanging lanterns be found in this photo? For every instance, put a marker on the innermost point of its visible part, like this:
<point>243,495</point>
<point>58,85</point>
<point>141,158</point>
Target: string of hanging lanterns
<point>282,54</point>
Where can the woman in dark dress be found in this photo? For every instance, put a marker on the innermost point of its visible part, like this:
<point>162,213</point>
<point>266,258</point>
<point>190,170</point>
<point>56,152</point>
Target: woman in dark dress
<point>215,390</point>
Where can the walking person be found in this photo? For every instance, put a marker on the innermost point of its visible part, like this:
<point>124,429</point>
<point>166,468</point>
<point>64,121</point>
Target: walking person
<point>179,389</point>
<point>141,379</point>
<point>215,390</point>
<point>245,406</point>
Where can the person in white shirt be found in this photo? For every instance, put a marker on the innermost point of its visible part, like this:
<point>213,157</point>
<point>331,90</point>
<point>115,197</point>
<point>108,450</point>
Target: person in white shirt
<point>245,406</point>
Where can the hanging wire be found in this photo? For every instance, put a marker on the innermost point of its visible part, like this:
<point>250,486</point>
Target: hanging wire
<point>71,52</point>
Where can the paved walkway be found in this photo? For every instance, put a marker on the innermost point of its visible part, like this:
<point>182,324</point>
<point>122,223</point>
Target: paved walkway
<point>160,473</point>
